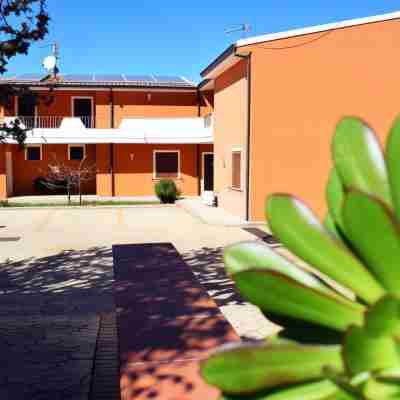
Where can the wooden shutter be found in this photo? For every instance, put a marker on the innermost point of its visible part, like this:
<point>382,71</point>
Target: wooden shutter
<point>237,169</point>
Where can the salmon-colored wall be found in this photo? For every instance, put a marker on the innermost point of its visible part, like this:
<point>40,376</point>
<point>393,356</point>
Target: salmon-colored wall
<point>127,104</point>
<point>154,104</point>
<point>230,108</point>
<point>25,172</point>
<point>299,93</point>
<point>103,163</point>
<point>134,176</point>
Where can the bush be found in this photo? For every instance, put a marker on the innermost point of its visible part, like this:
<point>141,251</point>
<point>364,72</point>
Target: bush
<point>46,186</point>
<point>166,191</point>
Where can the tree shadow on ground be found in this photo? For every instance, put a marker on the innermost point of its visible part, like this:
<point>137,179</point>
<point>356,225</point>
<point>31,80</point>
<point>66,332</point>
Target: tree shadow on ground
<point>167,323</point>
<point>208,267</point>
<point>72,281</point>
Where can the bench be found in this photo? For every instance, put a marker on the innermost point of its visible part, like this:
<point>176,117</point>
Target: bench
<point>167,323</point>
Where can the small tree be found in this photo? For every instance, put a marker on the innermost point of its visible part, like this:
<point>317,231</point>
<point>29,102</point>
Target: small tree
<point>70,178</point>
<point>22,22</point>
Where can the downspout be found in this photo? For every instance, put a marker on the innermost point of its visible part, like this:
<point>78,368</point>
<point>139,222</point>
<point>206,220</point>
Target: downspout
<point>198,102</point>
<point>248,127</point>
<point>112,144</point>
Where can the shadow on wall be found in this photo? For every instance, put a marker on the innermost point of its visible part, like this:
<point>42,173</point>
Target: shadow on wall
<point>167,323</point>
<point>207,264</point>
<point>72,281</point>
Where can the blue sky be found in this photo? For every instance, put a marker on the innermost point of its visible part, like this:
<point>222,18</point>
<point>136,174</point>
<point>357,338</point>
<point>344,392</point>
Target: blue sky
<point>169,37</point>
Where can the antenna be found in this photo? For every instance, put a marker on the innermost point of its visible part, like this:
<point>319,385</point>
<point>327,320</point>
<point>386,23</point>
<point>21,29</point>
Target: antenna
<point>50,62</point>
<point>244,28</point>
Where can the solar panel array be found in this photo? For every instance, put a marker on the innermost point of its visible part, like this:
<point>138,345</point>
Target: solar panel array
<point>117,79</point>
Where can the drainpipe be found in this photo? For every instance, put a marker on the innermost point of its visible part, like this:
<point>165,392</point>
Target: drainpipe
<point>198,102</point>
<point>112,144</point>
<point>248,128</point>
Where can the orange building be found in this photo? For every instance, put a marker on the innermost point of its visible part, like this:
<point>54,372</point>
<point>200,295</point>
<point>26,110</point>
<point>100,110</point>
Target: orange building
<point>278,97</point>
<point>131,130</point>
<point>260,122</point>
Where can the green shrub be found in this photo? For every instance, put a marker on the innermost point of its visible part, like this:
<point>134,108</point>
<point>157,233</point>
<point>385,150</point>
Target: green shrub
<point>356,294</point>
<point>166,191</point>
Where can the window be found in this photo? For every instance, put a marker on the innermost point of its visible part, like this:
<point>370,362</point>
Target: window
<point>237,169</point>
<point>166,164</point>
<point>33,153</point>
<point>76,152</point>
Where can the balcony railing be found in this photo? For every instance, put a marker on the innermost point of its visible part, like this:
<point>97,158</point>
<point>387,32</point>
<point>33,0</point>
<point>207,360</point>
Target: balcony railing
<point>49,121</point>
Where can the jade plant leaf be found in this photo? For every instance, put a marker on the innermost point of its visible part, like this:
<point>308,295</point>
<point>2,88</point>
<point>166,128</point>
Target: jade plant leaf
<point>359,160</point>
<point>374,233</point>
<point>268,366</point>
<point>393,163</point>
<point>375,390</point>
<point>277,293</point>
<point>364,352</point>
<point>320,390</point>
<point>300,231</point>
<point>383,318</point>
<point>335,197</point>
<point>255,255</point>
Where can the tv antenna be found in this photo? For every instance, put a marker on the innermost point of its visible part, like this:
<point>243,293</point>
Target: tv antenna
<point>244,28</point>
<point>50,62</point>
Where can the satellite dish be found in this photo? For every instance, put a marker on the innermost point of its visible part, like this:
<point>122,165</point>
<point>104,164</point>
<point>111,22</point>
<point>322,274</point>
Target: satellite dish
<point>50,63</point>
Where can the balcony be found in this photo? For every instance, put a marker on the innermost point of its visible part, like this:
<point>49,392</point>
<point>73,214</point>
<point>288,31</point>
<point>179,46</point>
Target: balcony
<point>48,122</point>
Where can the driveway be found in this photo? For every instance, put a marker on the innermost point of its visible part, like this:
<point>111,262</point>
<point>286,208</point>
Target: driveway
<point>55,292</point>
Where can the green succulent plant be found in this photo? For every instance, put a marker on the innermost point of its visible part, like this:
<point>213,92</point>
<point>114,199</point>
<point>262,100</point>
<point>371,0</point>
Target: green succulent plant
<point>345,309</point>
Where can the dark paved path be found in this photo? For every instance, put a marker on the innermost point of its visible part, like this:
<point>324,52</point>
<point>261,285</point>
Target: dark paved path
<point>167,323</point>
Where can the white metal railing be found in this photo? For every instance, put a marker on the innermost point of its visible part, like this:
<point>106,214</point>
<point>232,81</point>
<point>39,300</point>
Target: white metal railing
<point>48,121</point>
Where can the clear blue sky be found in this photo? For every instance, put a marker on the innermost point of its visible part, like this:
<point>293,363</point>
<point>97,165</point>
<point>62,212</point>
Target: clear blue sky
<point>172,37</point>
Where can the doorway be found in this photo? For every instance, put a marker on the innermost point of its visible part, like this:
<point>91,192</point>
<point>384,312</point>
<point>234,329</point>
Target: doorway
<point>207,182</point>
<point>82,107</point>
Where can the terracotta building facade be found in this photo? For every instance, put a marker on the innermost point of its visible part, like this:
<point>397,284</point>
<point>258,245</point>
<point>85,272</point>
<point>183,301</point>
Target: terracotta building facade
<point>260,122</point>
<point>132,133</point>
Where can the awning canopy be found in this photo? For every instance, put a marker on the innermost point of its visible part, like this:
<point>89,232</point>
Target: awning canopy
<point>131,130</point>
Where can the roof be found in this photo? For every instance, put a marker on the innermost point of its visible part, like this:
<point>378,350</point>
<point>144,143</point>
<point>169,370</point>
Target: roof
<point>100,80</point>
<point>131,130</point>
<point>230,51</point>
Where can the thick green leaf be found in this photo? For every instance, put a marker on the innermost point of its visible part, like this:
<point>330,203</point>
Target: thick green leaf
<point>300,231</point>
<point>393,163</point>
<point>277,293</point>
<point>363,352</point>
<point>335,197</point>
<point>383,318</point>
<point>331,227</point>
<point>247,368</point>
<point>322,390</point>
<point>358,159</point>
<point>375,390</point>
<point>374,233</point>
<point>255,255</point>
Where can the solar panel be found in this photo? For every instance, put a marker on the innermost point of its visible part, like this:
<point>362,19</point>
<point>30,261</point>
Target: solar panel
<point>139,78</point>
<point>29,77</point>
<point>109,78</point>
<point>167,79</point>
<point>78,77</point>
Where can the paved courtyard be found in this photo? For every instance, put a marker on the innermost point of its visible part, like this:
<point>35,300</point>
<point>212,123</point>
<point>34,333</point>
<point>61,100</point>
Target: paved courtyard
<point>57,322</point>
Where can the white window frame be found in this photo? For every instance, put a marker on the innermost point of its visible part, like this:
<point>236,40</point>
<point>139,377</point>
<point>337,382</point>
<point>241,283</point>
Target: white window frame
<point>30,146</point>
<point>76,145</point>
<point>82,97</point>
<point>166,151</point>
<point>237,150</point>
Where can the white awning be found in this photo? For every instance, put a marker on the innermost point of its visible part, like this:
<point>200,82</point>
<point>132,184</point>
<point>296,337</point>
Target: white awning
<point>131,130</point>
